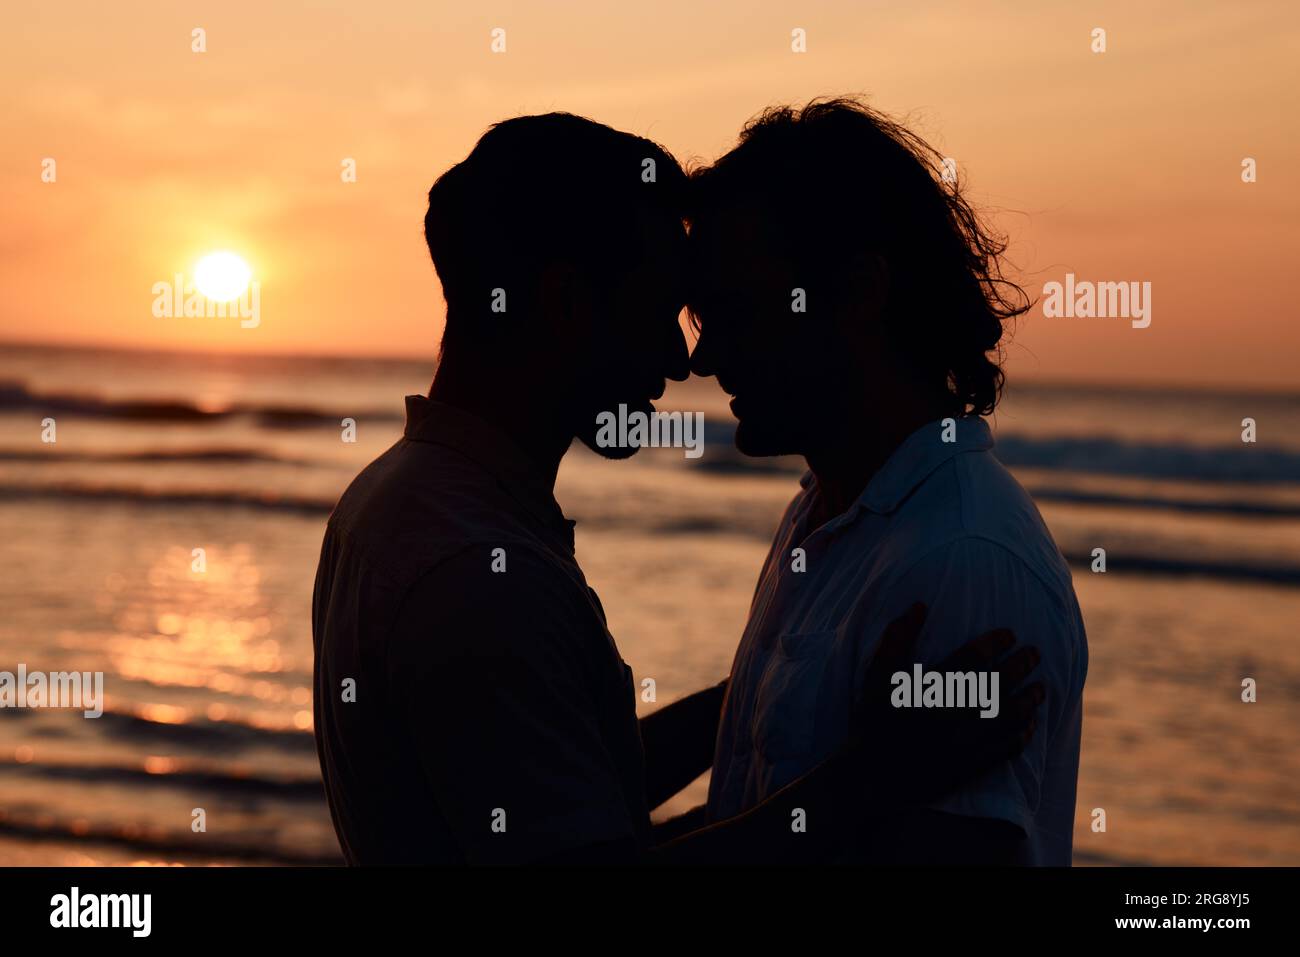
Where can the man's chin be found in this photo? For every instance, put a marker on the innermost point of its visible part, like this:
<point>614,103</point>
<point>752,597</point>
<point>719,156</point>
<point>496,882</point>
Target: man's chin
<point>758,442</point>
<point>616,416</point>
<point>612,452</point>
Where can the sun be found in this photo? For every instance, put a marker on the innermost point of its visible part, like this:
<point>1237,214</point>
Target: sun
<point>222,276</point>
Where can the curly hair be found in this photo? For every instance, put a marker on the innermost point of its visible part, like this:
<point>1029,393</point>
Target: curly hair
<point>836,179</point>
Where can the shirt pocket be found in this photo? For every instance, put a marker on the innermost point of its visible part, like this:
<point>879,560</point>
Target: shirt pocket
<point>785,701</point>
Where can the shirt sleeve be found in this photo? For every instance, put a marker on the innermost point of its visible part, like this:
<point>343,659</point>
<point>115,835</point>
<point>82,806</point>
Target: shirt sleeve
<point>972,586</point>
<point>498,678</point>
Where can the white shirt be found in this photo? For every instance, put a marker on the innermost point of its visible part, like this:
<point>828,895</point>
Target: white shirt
<point>943,523</point>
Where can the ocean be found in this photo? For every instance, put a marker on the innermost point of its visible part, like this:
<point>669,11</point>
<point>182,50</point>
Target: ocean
<point>208,666</point>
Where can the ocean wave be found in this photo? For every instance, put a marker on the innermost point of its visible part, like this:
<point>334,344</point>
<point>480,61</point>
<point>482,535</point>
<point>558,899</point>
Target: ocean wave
<point>214,454</point>
<point>1083,454</point>
<point>301,788</point>
<point>1164,565</point>
<point>171,498</point>
<point>756,524</point>
<point>203,733</point>
<point>1093,455</point>
<point>15,396</point>
<point>1212,506</point>
<point>205,847</point>
<point>1107,456</point>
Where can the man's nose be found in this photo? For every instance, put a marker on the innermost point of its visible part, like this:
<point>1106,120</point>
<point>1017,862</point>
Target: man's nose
<point>678,364</point>
<point>702,358</point>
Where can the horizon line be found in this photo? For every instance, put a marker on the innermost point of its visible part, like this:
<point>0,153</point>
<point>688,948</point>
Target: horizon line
<point>1279,391</point>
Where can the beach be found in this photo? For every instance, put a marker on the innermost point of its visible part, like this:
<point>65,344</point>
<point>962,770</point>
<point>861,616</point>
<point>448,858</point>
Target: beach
<point>207,665</point>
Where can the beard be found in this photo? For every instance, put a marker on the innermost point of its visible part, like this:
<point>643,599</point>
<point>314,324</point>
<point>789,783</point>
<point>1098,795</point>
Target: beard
<point>595,435</point>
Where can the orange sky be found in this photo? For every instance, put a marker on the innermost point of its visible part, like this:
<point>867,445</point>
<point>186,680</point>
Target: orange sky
<point>1121,166</point>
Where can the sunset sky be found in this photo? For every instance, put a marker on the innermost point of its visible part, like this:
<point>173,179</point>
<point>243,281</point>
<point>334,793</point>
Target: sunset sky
<point>1119,166</point>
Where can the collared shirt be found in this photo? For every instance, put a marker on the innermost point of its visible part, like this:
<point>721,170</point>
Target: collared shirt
<point>471,706</point>
<point>944,523</point>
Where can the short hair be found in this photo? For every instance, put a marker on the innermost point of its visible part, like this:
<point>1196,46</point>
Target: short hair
<point>835,179</point>
<point>537,189</point>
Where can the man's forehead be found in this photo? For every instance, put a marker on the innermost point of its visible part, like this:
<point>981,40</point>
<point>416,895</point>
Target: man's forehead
<point>663,233</point>
<point>734,237</point>
<point>736,223</point>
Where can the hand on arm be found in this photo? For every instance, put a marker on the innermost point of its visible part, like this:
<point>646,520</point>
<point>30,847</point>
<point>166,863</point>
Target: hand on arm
<point>894,759</point>
<point>977,585</point>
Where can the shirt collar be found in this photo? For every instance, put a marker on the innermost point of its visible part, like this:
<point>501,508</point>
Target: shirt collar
<point>913,462</point>
<point>438,423</point>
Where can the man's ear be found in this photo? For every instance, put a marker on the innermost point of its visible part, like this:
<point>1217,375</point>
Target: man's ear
<point>871,279</point>
<point>866,292</point>
<point>566,302</point>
